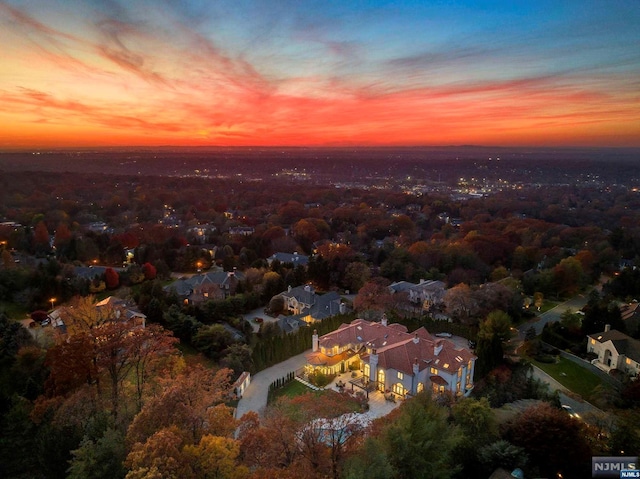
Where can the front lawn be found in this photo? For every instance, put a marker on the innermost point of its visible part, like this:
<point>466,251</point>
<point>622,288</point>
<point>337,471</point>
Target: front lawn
<point>572,376</point>
<point>291,389</point>
<point>546,306</point>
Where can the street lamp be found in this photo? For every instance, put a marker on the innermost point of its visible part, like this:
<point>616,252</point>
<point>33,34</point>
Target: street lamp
<point>53,300</point>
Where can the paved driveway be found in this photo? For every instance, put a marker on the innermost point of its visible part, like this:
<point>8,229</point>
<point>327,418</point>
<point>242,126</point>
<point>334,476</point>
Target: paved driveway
<point>258,313</point>
<point>255,396</point>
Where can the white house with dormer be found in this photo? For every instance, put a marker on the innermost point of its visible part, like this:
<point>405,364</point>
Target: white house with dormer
<point>615,350</point>
<point>392,359</point>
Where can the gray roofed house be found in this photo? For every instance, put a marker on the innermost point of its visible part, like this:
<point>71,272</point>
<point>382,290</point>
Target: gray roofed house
<point>615,350</point>
<point>203,287</point>
<point>308,306</point>
<point>428,293</point>
<point>290,324</point>
<point>89,272</point>
<point>400,286</point>
<point>123,310</point>
<point>293,258</point>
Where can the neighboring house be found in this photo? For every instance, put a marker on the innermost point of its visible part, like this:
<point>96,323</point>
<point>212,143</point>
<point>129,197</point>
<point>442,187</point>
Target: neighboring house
<point>213,285</point>
<point>427,293</point>
<point>615,350</point>
<point>89,272</point>
<point>305,304</point>
<point>290,324</point>
<point>123,310</point>
<point>401,287</point>
<point>242,230</point>
<point>200,232</point>
<point>293,258</point>
<point>630,314</point>
<point>99,227</point>
<point>391,359</point>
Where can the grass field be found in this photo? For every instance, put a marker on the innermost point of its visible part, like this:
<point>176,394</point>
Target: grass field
<point>14,310</point>
<point>193,356</point>
<point>292,389</point>
<point>572,376</point>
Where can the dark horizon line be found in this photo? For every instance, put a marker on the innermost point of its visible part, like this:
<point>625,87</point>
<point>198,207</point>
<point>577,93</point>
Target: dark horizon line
<point>308,147</point>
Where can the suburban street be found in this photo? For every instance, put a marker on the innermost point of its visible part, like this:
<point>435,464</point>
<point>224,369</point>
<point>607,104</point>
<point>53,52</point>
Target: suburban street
<point>574,304</point>
<point>566,397</point>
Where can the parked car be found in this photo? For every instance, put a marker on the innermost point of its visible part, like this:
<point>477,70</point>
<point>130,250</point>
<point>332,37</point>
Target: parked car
<point>444,335</point>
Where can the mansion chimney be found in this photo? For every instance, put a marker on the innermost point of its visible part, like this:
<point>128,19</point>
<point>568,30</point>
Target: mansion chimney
<point>607,328</point>
<point>373,365</point>
<point>437,347</point>
<point>416,339</point>
<point>314,341</point>
<point>416,367</point>
<point>383,321</point>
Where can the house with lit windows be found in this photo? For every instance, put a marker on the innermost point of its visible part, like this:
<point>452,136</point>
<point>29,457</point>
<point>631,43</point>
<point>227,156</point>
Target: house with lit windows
<point>390,359</point>
<point>615,350</point>
<point>213,285</point>
<point>306,305</point>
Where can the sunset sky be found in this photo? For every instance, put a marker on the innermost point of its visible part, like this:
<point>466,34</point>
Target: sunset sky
<point>348,72</point>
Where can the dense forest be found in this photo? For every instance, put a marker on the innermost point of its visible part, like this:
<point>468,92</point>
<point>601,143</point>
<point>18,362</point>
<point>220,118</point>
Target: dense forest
<point>108,400</point>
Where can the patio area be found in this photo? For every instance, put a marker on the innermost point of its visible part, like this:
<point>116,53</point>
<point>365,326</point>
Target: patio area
<point>378,405</point>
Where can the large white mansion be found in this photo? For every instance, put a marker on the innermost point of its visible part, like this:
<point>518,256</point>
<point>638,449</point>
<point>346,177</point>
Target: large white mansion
<point>391,359</point>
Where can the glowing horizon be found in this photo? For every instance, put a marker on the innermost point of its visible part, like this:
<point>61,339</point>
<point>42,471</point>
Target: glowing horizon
<point>90,73</point>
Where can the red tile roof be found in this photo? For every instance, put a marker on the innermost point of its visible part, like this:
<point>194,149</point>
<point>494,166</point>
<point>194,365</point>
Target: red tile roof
<point>396,348</point>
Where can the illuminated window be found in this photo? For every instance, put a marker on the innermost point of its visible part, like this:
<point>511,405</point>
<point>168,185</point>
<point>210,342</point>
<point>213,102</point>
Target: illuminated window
<point>459,373</point>
<point>420,387</point>
<point>439,389</point>
<point>628,361</point>
<point>398,389</point>
<point>434,371</point>
<point>400,375</point>
<point>593,341</point>
<point>381,379</point>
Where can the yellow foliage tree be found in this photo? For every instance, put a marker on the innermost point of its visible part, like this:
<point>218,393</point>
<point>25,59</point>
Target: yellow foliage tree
<point>215,457</point>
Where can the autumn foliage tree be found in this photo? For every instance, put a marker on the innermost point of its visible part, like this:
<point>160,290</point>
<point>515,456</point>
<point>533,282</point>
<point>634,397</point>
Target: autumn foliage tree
<point>193,400</point>
<point>306,435</point>
<point>555,442</point>
<point>101,344</point>
<point>374,297</point>
<point>111,278</point>
<point>149,271</point>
